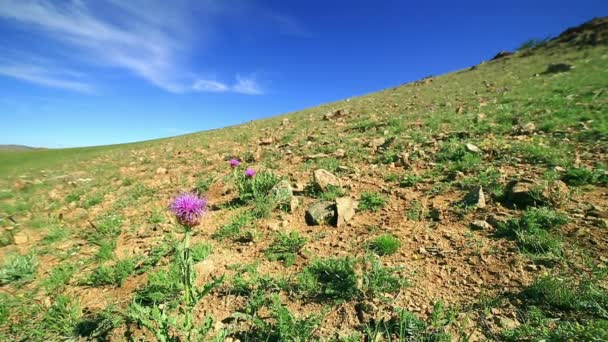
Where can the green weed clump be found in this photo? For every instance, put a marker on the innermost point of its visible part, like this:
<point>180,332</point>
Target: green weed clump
<point>62,318</point>
<point>283,325</point>
<point>410,180</point>
<point>255,187</point>
<point>378,279</point>
<point>405,326</point>
<point>384,245</point>
<point>532,231</point>
<point>583,176</point>
<point>458,158</point>
<point>331,278</point>
<point>372,201</point>
<point>563,309</point>
<point>235,228</point>
<point>285,247</point>
<point>58,278</point>
<point>19,269</point>
<point>112,275</point>
<point>163,287</point>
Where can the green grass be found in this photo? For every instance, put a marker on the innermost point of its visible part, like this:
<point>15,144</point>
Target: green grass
<point>234,229</point>
<point>200,251</point>
<point>406,326</point>
<point>331,278</point>
<point>583,176</point>
<point>162,287</point>
<point>329,194</point>
<point>257,186</point>
<point>58,278</point>
<point>62,318</point>
<point>410,180</point>
<point>563,309</point>
<point>372,201</point>
<point>56,233</point>
<point>378,280</point>
<point>112,275</point>
<point>533,231</point>
<point>285,247</point>
<point>283,325</point>
<point>384,245</point>
<point>19,269</point>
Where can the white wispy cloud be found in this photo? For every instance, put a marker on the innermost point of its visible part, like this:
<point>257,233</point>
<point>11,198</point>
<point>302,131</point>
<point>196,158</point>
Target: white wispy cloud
<point>210,86</point>
<point>247,85</point>
<point>244,85</point>
<point>150,39</point>
<point>45,77</point>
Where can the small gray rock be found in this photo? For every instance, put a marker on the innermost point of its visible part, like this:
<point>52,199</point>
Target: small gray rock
<point>321,213</point>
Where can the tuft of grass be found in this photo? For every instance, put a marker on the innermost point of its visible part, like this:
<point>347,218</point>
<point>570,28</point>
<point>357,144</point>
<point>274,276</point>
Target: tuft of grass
<point>203,184</point>
<point>378,279</point>
<point>405,326</point>
<point>563,309</point>
<point>112,275</point>
<point>385,244</point>
<point>331,278</point>
<point>583,176</point>
<point>200,251</point>
<point>410,180</point>
<point>56,233</point>
<point>285,247</point>
<point>535,153</point>
<point>162,287</point>
<point>282,325</point>
<point>532,231</point>
<point>566,295</point>
<point>329,194</point>
<point>106,250</point>
<point>19,269</point>
<point>458,158</point>
<point>62,318</point>
<point>372,201</point>
<point>234,228</point>
<point>108,226</point>
<point>93,200</point>
<point>156,217</point>
<point>58,278</point>
<point>256,187</point>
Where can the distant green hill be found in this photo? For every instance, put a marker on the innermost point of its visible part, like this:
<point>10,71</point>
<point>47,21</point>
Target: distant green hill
<point>15,148</point>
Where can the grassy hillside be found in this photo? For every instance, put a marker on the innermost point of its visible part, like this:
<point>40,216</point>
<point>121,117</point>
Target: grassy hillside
<point>481,214</point>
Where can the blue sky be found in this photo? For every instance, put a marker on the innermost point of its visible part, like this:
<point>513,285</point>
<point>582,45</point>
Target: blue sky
<point>81,73</point>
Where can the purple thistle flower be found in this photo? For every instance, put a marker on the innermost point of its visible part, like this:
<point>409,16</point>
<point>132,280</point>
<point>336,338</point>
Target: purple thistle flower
<point>234,163</point>
<point>249,173</point>
<point>188,208</point>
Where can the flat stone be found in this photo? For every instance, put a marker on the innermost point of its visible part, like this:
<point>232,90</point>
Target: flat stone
<point>480,225</point>
<point>20,238</point>
<point>473,148</point>
<point>345,207</point>
<point>323,179</point>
